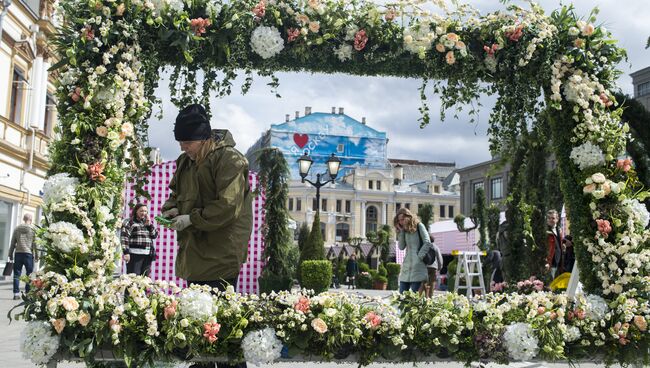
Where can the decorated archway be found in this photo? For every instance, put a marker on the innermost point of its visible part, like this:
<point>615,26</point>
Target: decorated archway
<point>559,64</point>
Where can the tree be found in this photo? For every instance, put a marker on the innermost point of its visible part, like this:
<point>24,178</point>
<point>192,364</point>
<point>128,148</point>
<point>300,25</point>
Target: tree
<point>303,236</point>
<point>315,249</point>
<point>274,176</point>
<point>425,213</point>
<point>380,241</point>
<point>638,119</point>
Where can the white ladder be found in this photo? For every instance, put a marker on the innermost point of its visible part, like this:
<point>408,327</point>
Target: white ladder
<point>469,267</point>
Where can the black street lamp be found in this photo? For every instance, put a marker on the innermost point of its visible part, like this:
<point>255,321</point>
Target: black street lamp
<point>333,166</point>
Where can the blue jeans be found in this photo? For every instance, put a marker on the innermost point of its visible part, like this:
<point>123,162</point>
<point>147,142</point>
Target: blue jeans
<point>20,260</point>
<point>413,286</point>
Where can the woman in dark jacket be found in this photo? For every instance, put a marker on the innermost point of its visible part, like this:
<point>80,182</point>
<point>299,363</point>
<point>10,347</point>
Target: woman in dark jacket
<point>352,270</point>
<point>137,236</point>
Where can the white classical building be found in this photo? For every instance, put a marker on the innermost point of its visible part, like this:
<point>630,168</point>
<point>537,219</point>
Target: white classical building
<point>27,111</point>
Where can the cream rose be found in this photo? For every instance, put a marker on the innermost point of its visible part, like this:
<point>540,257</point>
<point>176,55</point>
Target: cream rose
<point>69,303</point>
<point>101,131</point>
<point>59,325</point>
<point>319,325</point>
<point>450,58</point>
<point>598,178</point>
<point>84,319</point>
<point>314,26</point>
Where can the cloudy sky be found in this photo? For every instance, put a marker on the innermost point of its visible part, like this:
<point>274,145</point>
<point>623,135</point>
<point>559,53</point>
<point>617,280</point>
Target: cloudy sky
<point>391,104</point>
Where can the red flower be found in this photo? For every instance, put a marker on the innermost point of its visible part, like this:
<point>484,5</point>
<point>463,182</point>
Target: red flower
<point>95,171</point>
<point>292,34</point>
<point>302,305</point>
<point>373,319</point>
<point>625,164</point>
<point>491,49</point>
<point>516,34</point>
<point>360,40</point>
<point>199,24</point>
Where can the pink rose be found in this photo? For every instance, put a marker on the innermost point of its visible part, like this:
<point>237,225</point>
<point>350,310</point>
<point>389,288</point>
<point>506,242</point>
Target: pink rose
<point>360,40</point>
<point>541,310</point>
<point>491,50</point>
<point>625,165</point>
<point>314,26</point>
<point>440,47</point>
<point>390,14</point>
<point>450,58</point>
<point>580,314</point>
<point>260,9</point>
<point>302,305</point>
<point>210,331</point>
<point>588,29</point>
<point>640,323</point>
<point>292,34</point>
<point>59,325</point>
<point>604,227</point>
<point>373,319</point>
<point>515,34</point>
<point>170,310</point>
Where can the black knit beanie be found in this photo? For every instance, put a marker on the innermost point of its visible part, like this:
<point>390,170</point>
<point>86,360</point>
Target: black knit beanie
<point>192,124</point>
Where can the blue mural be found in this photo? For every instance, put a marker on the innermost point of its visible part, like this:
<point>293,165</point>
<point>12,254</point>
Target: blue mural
<point>321,134</point>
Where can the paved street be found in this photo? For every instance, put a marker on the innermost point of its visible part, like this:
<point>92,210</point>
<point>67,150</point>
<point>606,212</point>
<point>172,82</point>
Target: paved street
<point>12,357</point>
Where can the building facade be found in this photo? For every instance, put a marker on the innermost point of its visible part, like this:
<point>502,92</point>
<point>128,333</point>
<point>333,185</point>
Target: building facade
<point>27,111</point>
<point>641,83</point>
<point>492,176</point>
<point>370,187</point>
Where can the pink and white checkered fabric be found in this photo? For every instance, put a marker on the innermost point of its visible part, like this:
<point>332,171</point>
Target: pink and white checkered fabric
<point>166,246</point>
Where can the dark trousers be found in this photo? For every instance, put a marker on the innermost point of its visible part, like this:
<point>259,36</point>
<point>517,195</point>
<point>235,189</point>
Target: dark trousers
<point>413,286</point>
<point>219,285</point>
<point>20,260</point>
<point>139,264</point>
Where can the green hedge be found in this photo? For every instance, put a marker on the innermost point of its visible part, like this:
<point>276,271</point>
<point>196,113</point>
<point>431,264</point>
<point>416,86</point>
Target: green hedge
<point>392,270</point>
<point>364,281</point>
<point>382,270</point>
<point>363,267</point>
<point>316,275</point>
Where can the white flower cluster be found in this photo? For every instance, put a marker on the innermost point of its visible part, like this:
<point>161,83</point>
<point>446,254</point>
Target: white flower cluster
<point>196,304</point>
<point>59,186</point>
<point>267,41</point>
<point>596,307</point>
<point>581,88</point>
<point>66,237</point>
<point>520,341</point>
<point>261,346</point>
<point>38,343</point>
<point>571,334</point>
<point>343,52</point>
<point>587,155</point>
<point>637,213</point>
<point>418,38</point>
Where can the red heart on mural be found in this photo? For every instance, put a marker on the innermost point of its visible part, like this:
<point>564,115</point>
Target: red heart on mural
<point>301,139</point>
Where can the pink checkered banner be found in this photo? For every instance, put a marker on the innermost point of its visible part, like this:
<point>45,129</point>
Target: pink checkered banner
<point>166,246</point>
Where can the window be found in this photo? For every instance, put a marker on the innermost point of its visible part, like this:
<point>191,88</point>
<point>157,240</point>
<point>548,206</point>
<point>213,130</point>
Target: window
<point>323,205</point>
<point>6,214</point>
<point>496,188</point>
<point>50,107</point>
<point>369,184</point>
<point>290,204</point>
<point>420,207</point>
<point>451,211</point>
<point>338,205</point>
<point>314,205</point>
<point>348,206</point>
<point>340,148</point>
<point>643,89</point>
<point>408,206</point>
<point>398,206</point>
<point>475,187</point>
<point>378,185</point>
<point>298,204</point>
<point>436,188</point>
<point>342,232</point>
<point>18,86</point>
<point>442,211</point>
<point>371,219</point>
<point>323,228</point>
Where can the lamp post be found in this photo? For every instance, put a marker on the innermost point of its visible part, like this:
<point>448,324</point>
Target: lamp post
<point>333,166</point>
<point>3,12</point>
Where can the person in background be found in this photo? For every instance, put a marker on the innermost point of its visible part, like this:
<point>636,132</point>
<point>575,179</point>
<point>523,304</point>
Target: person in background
<point>210,204</point>
<point>414,237</point>
<point>567,253</point>
<point>432,269</point>
<point>137,236</point>
<point>22,251</point>
<point>554,254</point>
<point>351,271</point>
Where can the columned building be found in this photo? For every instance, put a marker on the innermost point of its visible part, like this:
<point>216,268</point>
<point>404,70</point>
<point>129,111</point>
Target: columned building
<point>370,187</point>
<point>641,83</point>
<point>27,111</point>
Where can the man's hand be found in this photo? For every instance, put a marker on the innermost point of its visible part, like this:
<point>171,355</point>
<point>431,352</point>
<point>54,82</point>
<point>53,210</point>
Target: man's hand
<point>170,213</point>
<point>127,258</point>
<point>181,222</point>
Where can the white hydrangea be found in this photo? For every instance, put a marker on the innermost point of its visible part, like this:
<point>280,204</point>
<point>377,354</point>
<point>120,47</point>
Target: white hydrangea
<point>596,307</point>
<point>587,155</point>
<point>520,341</point>
<point>214,8</point>
<point>176,5</point>
<point>343,52</point>
<point>350,31</point>
<point>571,334</point>
<point>67,237</point>
<point>266,41</point>
<point>261,346</point>
<point>419,38</point>
<point>59,186</point>
<point>196,305</point>
<point>38,343</point>
<point>637,212</point>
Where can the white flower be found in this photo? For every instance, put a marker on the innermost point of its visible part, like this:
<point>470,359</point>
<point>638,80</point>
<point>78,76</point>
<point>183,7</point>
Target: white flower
<point>637,212</point>
<point>520,341</point>
<point>66,237</point>
<point>343,52</point>
<point>196,305</point>
<point>587,155</point>
<point>571,334</point>
<point>266,41</point>
<point>59,186</point>
<point>213,8</point>
<point>38,343</point>
<point>598,178</point>
<point>596,307</point>
<point>261,346</point>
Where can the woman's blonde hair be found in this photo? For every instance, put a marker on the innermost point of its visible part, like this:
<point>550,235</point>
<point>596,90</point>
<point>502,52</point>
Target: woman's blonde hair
<point>207,146</point>
<point>412,220</point>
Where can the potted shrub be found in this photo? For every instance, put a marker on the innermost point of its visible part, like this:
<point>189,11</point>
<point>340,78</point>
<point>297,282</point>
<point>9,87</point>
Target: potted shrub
<point>379,282</point>
<point>393,275</point>
<point>364,280</point>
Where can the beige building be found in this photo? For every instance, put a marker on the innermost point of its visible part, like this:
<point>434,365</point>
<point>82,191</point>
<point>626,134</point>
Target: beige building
<point>27,111</point>
<point>641,83</point>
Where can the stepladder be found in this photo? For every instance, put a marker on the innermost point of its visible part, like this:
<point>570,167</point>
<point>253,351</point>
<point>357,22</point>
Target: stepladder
<point>469,268</point>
